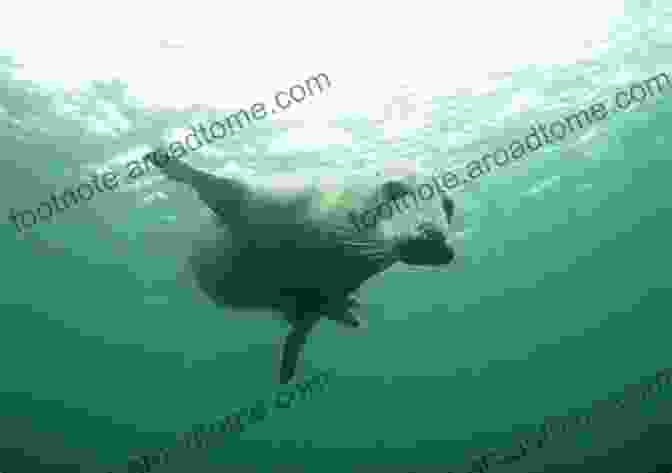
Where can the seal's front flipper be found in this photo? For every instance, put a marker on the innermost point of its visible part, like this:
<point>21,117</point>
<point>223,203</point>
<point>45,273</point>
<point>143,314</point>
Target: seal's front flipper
<point>347,318</point>
<point>293,347</point>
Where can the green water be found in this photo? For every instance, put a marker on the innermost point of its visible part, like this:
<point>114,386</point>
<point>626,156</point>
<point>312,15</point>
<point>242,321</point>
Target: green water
<point>559,298</point>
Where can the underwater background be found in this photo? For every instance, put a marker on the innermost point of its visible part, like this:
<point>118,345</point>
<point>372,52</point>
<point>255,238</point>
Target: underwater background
<point>560,295</point>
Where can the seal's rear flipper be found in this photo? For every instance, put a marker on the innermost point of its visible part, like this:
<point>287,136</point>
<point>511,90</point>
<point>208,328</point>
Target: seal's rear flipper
<point>173,168</point>
<point>224,196</point>
<point>347,318</point>
<point>344,311</point>
<point>293,347</point>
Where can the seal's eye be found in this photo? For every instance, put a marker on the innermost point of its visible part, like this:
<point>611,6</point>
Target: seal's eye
<point>393,190</point>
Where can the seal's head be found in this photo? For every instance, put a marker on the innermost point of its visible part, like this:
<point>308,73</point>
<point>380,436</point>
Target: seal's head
<point>426,247</point>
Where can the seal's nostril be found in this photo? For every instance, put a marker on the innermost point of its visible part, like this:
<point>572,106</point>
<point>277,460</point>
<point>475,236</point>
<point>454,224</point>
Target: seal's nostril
<point>448,207</point>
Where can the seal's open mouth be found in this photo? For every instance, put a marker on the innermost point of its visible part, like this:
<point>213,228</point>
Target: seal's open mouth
<point>430,231</point>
